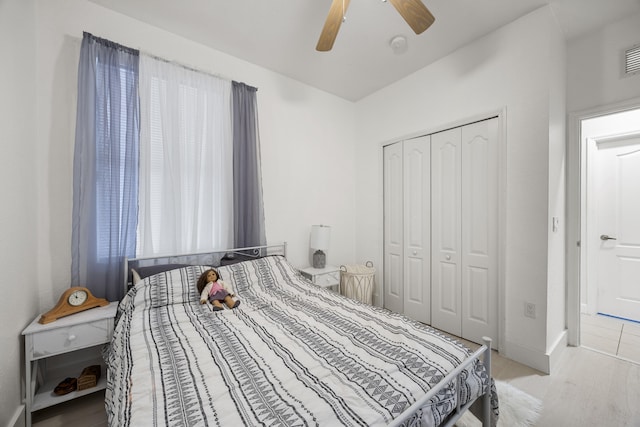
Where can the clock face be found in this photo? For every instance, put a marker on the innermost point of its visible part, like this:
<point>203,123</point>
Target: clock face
<point>77,298</point>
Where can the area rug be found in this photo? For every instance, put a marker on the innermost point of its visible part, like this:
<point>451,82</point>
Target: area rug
<point>517,409</point>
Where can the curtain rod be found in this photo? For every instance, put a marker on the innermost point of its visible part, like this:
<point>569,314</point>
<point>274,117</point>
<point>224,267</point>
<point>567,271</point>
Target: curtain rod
<point>111,44</point>
<point>139,51</point>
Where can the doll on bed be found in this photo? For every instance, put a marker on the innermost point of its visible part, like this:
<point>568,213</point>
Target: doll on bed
<point>213,289</point>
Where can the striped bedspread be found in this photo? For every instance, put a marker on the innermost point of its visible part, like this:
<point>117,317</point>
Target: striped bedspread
<point>292,354</point>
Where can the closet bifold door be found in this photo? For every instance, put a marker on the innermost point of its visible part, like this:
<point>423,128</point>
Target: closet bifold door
<point>393,228</point>
<point>417,232</point>
<point>480,231</point>
<point>464,235</point>
<point>446,240</point>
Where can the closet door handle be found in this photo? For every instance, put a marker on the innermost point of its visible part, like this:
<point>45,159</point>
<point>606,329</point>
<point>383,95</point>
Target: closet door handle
<point>605,237</point>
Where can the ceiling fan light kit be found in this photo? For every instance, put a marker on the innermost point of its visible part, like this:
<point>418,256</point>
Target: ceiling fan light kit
<point>414,12</point>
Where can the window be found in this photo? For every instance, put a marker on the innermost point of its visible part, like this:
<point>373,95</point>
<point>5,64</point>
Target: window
<point>186,168</point>
<point>114,177</point>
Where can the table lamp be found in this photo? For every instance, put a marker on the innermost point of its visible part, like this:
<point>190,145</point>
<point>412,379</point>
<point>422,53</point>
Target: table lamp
<point>320,242</point>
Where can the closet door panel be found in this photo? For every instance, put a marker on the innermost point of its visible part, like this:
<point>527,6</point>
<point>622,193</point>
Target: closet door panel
<point>414,291</point>
<point>393,228</point>
<point>445,230</point>
<point>417,220</point>
<point>479,230</point>
<point>477,285</point>
<point>448,301</point>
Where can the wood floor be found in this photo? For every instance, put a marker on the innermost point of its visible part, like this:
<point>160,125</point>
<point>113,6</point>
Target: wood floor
<point>590,388</point>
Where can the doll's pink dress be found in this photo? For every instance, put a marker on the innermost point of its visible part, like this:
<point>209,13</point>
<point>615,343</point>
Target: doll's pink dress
<point>217,292</point>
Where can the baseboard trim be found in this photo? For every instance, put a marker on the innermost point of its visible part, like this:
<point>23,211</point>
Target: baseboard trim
<point>527,356</point>
<point>544,362</point>
<point>557,349</point>
<point>18,418</point>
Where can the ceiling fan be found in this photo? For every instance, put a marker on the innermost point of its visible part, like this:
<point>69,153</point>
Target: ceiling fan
<point>413,11</point>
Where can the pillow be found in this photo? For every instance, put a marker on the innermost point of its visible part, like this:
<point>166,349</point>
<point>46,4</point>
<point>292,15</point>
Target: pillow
<point>155,269</point>
<point>136,276</point>
<point>233,258</point>
<point>172,285</point>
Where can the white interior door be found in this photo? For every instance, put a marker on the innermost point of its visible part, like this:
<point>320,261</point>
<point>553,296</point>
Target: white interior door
<point>445,231</point>
<point>393,228</point>
<point>479,231</point>
<point>617,206</point>
<point>417,223</point>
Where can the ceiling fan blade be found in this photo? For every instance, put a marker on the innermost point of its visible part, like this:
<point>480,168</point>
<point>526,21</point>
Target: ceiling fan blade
<point>415,13</point>
<point>332,25</point>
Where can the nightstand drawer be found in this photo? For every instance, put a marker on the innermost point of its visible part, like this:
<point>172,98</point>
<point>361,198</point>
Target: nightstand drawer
<point>327,279</point>
<point>69,338</point>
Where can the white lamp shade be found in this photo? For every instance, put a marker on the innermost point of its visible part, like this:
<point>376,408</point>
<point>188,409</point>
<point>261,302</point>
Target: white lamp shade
<point>320,235</point>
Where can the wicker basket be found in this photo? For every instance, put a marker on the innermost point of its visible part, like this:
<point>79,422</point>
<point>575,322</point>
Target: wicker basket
<point>356,281</point>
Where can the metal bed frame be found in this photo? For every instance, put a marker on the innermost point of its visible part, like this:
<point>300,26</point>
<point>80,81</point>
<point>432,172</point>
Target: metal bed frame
<point>213,258</point>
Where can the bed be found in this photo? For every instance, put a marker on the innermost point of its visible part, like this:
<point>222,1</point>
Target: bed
<point>291,353</point>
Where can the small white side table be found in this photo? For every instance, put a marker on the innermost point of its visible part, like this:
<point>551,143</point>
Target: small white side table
<point>48,358</point>
<point>328,277</point>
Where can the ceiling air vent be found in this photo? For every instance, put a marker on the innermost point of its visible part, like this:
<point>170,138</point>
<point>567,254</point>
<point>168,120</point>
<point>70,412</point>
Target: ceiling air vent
<point>632,60</point>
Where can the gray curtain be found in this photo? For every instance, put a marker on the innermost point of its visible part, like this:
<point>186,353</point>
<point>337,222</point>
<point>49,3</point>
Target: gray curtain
<point>105,166</point>
<point>247,181</point>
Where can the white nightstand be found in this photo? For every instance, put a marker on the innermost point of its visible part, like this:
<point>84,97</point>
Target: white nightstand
<point>47,355</point>
<point>328,277</point>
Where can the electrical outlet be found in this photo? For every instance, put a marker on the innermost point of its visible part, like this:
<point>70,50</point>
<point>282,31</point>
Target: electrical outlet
<point>530,310</point>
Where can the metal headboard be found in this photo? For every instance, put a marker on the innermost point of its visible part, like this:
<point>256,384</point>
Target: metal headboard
<point>212,258</point>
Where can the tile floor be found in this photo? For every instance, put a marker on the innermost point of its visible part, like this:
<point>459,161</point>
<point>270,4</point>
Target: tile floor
<point>611,336</point>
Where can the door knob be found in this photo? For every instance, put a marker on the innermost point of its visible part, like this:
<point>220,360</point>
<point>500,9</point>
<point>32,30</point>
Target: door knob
<point>605,237</point>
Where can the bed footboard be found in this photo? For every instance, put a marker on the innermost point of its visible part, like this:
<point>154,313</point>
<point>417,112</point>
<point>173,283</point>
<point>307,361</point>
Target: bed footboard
<point>486,397</point>
<point>454,376</point>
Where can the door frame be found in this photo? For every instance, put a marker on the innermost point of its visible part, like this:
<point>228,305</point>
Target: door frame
<point>575,153</point>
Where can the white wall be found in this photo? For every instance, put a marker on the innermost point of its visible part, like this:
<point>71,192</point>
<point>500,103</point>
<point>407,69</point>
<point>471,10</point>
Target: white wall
<point>556,286</point>
<point>19,204</point>
<point>306,138</point>
<point>515,68</point>
<point>594,62</point>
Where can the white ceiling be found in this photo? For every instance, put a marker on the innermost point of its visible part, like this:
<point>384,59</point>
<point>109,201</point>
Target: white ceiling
<point>281,35</point>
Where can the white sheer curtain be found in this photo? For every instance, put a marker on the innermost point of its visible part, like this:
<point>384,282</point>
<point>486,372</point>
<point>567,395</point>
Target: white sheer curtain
<point>186,160</point>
